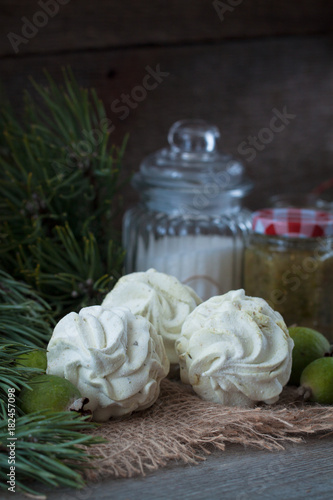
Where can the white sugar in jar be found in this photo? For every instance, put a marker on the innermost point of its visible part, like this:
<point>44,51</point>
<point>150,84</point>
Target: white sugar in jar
<point>190,222</point>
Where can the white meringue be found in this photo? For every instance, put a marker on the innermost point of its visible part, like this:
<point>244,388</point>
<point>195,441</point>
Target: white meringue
<point>159,297</point>
<point>114,358</point>
<point>235,350</point>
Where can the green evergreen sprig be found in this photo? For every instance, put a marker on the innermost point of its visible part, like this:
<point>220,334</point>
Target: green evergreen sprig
<point>12,376</point>
<point>82,279</point>
<point>25,318</point>
<point>47,447</point>
<point>50,449</point>
<point>25,324</point>
<point>59,192</point>
<point>60,182</point>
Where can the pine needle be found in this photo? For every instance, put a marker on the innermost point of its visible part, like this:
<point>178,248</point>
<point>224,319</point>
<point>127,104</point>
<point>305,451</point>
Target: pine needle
<point>48,449</point>
<point>60,181</point>
<point>24,316</point>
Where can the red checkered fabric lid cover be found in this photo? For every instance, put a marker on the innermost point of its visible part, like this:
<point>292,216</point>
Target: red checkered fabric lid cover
<point>293,222</point>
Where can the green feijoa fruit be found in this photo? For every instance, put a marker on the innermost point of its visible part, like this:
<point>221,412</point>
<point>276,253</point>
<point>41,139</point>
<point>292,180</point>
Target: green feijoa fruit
<point>50,393</point>
<point>317,381</point>
<point>308,346</point>
<point>32,359</point>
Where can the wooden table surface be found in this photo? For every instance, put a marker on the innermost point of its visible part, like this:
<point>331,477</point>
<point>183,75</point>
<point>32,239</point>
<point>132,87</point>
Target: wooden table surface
<point>300,471</point>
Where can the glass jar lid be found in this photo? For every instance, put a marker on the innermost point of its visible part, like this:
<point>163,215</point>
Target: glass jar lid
<point>192,160</point>
<point>293,222</point>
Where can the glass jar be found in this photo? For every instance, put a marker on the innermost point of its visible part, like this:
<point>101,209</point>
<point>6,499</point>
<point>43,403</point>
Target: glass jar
<point>189,223</point>
<point>288,261</point>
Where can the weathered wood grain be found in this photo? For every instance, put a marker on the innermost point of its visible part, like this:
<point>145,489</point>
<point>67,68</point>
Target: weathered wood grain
<point>234,84</point>
<point>80,25</point>
<point>300,471</point>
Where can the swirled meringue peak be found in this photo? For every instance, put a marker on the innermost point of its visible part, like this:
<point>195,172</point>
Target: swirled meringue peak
<point>114,358</point>
<point>235,350</point>
<point>159,297</point>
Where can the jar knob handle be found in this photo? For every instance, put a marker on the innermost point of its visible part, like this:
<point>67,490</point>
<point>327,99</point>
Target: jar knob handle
<point>193,136</point>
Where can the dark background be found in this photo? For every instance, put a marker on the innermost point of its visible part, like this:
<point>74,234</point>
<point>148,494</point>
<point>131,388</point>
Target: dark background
<point>231,64</point>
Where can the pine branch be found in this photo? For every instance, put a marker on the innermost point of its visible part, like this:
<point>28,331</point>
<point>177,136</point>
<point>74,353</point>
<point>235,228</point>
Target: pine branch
<point>12,376</point>
<point>57,206</point>
<point>25,324</point>
<point>24,316</point>
<point>48,449</point>
<point>76,259</point>
<point>60,180</point>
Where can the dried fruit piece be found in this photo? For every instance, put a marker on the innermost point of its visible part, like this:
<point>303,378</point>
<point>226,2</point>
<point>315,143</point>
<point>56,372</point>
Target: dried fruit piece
<point>317,381</point>
<point>308,346</point>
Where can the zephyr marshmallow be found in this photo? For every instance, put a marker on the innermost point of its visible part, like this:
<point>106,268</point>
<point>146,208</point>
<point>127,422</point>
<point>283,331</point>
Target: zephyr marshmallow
<point>235,350</point>
<point>114,358</point>
<point>159,297</point>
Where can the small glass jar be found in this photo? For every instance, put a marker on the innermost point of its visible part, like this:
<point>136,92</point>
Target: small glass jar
<point>190,222</point>
<point>288,261</point>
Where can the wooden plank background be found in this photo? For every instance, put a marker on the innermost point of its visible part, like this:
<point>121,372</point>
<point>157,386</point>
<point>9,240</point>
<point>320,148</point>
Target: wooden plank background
<point>263,56</point>
<point>82,24</point>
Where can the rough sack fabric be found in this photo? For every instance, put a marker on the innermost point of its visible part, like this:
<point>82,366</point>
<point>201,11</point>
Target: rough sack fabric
<point>182,427</point>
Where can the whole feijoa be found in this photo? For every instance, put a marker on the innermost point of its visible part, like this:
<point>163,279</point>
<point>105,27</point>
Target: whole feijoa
<point>49,393</point>
<point>33,359</point>
<point>308,346</point>
<point>317,381</point>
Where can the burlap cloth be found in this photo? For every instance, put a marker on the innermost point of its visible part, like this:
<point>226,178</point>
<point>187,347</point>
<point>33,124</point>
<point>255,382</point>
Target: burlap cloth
<point>182,427</point>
